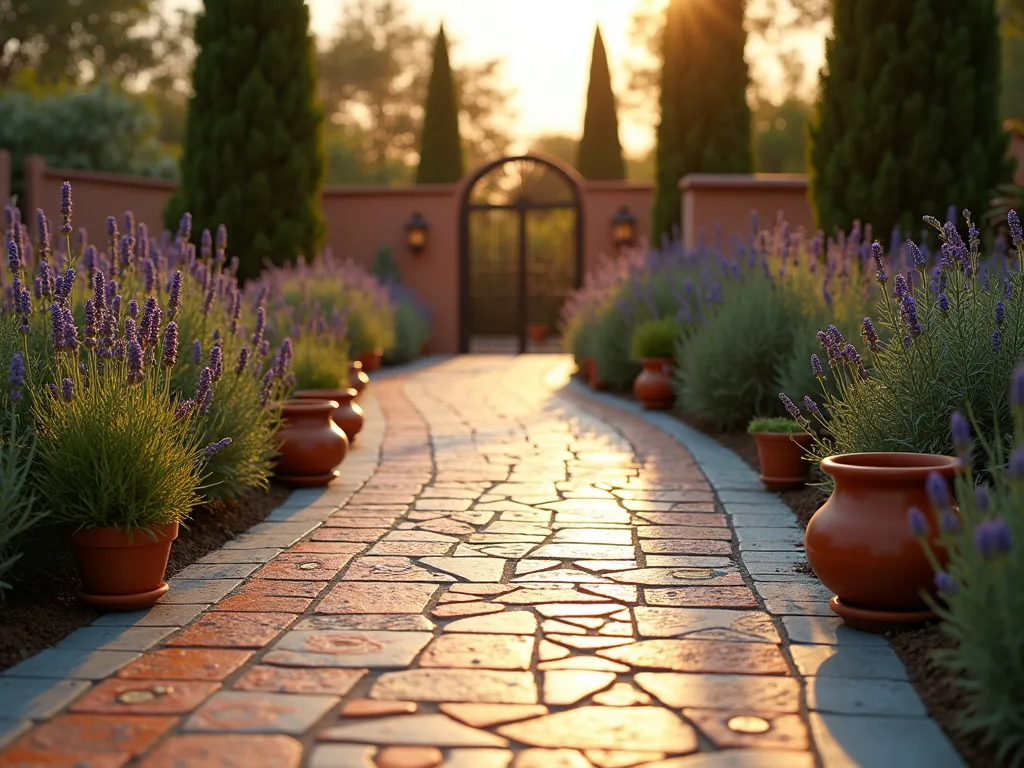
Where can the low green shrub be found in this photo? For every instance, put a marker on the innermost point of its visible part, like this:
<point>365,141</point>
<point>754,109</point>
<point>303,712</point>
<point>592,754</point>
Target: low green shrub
<point>774,425</point>
<point>979,600</point>
<point>411,332</point>
<point>655,338</point>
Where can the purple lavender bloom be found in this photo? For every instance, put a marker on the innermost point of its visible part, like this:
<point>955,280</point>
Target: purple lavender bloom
<point>57,326</point>
<point>203,385</point>
<point>65,207</point>
<point>917,523</point>
<point>142,242</point>
<point>916,257</point>
<point>1016,232</point>
<point>982,498</point>
<point>879,256</point>
<point>222,238</point>
<point>90,321</point>
<point>126,247</point>
<point>129,223</point>
<point>149,320</point>
<point>52,389</point>
<point>115,303</point>
<point>1000,312</point>
<point>937,489</point>
<point>836,335</point>
<point>135,372</point>
<point>1007,289</point>
<point>112,230</point>
<point>45,278</point>
<point>900,287</point>
<point>236,311</point>
<point>70,330</point>
<point>264,348</point>
<point>184,409</point>
<point>992,538</point>
<point>790,407</point>
<point>810,405</point>
<point>43,227</point>
<point>148,274</point>
<point>943,303</point>
<point>13,257</point>
<point>89,259</point>
<point>243,360</point>
<point>961,431</point>
<point>99,290</point>
<point>174,298</point>
<point>816,368</point>
<point>908,308</point>
<point>170,345</point>
<point>261,323</point>
<point>949,521</point>
<point>1015,467</point>
<point>997,340</point>
<point>185,227</point>
<point>207,403</point>
<point>869,334</point>
<point>214,448</point>
<point>945,583</point>
<point>206,244</point>
<point>68,390</point>
<point>16,377</point>
<point>1017,387</point>
<point>197,352</point>
<point>208,296</point>
<point>217,362</point>
<point>133,309</point>
<point>284,358</point>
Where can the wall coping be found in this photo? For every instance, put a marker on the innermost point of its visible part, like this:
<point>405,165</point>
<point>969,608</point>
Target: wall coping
<point>379,190</point>
<point>104,177</point>
<point>694,181</point>
<point>637,185</point>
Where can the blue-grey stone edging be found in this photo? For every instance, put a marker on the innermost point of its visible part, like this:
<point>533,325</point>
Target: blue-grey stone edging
<point>863,709</point>
<point>42,685</point>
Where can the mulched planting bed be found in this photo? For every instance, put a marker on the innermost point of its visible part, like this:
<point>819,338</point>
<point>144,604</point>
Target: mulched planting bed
<point>934,684</point>
<point>42,608</point>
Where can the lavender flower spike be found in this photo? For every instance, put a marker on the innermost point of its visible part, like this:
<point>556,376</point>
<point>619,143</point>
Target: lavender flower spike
<point>57,332</point>
<point>1017,387</point>
<point>879,256</point>
<point>174,297</point>
<point>816,368</point>
<point>810,405</point>
<point>992,538</point>
<point>917,523</point>
<point>203,386</point>
<point>1000,312</point>
<point>16,377</point>
<point>243,360</point>
<point>982,498</point>
<point>197,352</point>
<point>170,345</point>
<point>217,362</point>
<point>1016,231</point>
<point>184,409</point>
<point>214,448</point>
<point>68,390</point>
<point>65,207</point>
<point>938,491</point>
<point>870,336</point>
<point>945,583</point>
<point>997,340</point>
<point>790,407</point>
<point>961,432</point>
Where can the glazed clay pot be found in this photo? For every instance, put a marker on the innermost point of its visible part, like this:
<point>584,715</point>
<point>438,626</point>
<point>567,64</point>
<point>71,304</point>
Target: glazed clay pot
<point>123,571</point>
<point>860,546</point>
<point>782,459</point>
<point>371,360</point>
<point>348,415</point>
<point>357,378</point>
<point>653,387</point>
<point>537,332</point>
<point>312,445</point>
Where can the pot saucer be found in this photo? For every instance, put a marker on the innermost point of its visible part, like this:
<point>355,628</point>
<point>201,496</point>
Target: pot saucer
<point>134,602</point>
<point>307,481</point>
<point>868,620</point>
<point>782,483</point>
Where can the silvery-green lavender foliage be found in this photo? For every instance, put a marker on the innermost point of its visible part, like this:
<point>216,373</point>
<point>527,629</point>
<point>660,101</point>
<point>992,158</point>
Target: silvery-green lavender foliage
<point>979,599</point>
<point>955,333</point>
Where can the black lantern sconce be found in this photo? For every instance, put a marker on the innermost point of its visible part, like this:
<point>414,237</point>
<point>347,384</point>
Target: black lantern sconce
<point>416,230</point>
<point>623,228</point>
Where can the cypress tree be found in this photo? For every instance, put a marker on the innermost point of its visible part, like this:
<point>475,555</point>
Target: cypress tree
<point>440,143</point>
<point>705,119</point>
<point>600,153</point>
<point>907,122</point>
<point>252,157</point>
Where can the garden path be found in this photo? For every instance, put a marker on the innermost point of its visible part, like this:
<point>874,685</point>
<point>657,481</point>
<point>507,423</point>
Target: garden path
<point>530,577</point>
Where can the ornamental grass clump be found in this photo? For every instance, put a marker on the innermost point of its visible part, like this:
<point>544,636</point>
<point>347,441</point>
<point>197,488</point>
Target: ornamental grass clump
<point>945,334</point>
<point>979,600</point>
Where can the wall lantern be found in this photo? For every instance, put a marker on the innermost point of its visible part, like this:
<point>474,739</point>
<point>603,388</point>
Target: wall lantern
<point>623,228</point>
<point>416,233</point>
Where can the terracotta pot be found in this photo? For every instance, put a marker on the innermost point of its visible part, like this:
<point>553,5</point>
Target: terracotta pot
<point>584,367</point>
<point>312,445</point>
<point>424,349</point>
<point>371,360</point>
<point>590,368</point>
<point>859,544</point>
<point>783,465</point>
<point>123,571</point>
<point>357,378</point>
<point>537,332</point>
<point>653,387</point>
<point>348,415</point>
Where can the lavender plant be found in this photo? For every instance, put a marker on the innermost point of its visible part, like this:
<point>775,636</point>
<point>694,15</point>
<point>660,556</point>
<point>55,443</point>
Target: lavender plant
<point>949,333</point>
<point>979,597</point>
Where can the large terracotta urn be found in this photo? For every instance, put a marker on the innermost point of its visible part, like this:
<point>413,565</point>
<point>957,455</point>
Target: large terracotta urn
<point>357,378</point>
<point>348,415</point>
<point>123,570</point>
<point>781,455</point>
<point>653,385</point>
<point>311,444</point>
<point>371,360</point>
<point>860,545</point>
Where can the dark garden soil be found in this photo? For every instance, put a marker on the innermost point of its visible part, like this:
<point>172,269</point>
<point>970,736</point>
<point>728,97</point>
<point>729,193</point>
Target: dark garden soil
<point>42,608</point>
<point>936,686</point>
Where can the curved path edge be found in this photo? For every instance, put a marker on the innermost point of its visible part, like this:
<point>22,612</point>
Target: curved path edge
<point>863,709</point>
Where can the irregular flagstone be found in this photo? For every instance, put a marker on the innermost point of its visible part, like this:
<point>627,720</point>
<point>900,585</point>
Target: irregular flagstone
<point>377,598</point>
<point>630,728</point>
<point>563,575</point>
<point>744,727</point>
<point>569,686</point>
<point>487,715</point>
<point>706,624</point>
<point>299,680</point>
<point>615,758</point>
<point>391,569</point>
<point>250,712</point>
<point>394,622</point>
<point>479,651</point>
<point>701,656</point>
<point>703,597</point>
<point>431,730</point>
<point>725,691</point>
<point>472,608</point>
<point>479,569</point>
<point>507,622</point>
<point>320,648</point>
<point>679,576</point>
<point>457,685</point>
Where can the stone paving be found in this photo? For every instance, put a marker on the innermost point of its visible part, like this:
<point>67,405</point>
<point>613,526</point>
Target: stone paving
<point>508,576</point>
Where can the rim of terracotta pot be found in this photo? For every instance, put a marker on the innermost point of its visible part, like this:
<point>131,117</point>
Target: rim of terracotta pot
<point>800,437</point>
<point>883,465</point>
<point>341,394</point>
<point>109,537</point>
<point>309,406</point>
<point>657,360</point>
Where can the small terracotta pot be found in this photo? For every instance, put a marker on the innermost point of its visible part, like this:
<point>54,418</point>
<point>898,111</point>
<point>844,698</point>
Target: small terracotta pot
<point>537,332</point>
<point>348,415</point>
<point>653,387</point>
<point>371,360</point>
<point>593,379</point>
<point>782,459</point>
<point>860,546</point>
<point>424,349</point>
<point>357,378</point>
<point>312,445</point>
<point>123,571</point>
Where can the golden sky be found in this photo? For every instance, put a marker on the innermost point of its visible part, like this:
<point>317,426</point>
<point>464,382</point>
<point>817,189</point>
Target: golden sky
<point>546,45</point>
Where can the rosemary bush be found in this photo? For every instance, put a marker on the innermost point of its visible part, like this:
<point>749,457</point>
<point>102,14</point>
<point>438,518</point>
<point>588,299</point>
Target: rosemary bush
<point>948,335</point>
<point>979,598</point>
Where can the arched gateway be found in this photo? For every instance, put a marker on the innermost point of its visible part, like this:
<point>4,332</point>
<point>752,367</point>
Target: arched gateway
<point>520,251</point>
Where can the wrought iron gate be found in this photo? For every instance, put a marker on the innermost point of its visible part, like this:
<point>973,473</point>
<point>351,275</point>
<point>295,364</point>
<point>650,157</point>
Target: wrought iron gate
<point>520,252</point>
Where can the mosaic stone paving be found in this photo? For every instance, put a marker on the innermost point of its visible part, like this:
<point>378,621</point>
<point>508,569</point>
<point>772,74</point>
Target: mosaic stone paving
<point>517,585</point>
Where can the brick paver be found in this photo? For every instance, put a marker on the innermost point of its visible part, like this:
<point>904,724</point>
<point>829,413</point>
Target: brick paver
<point>527,580</point>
